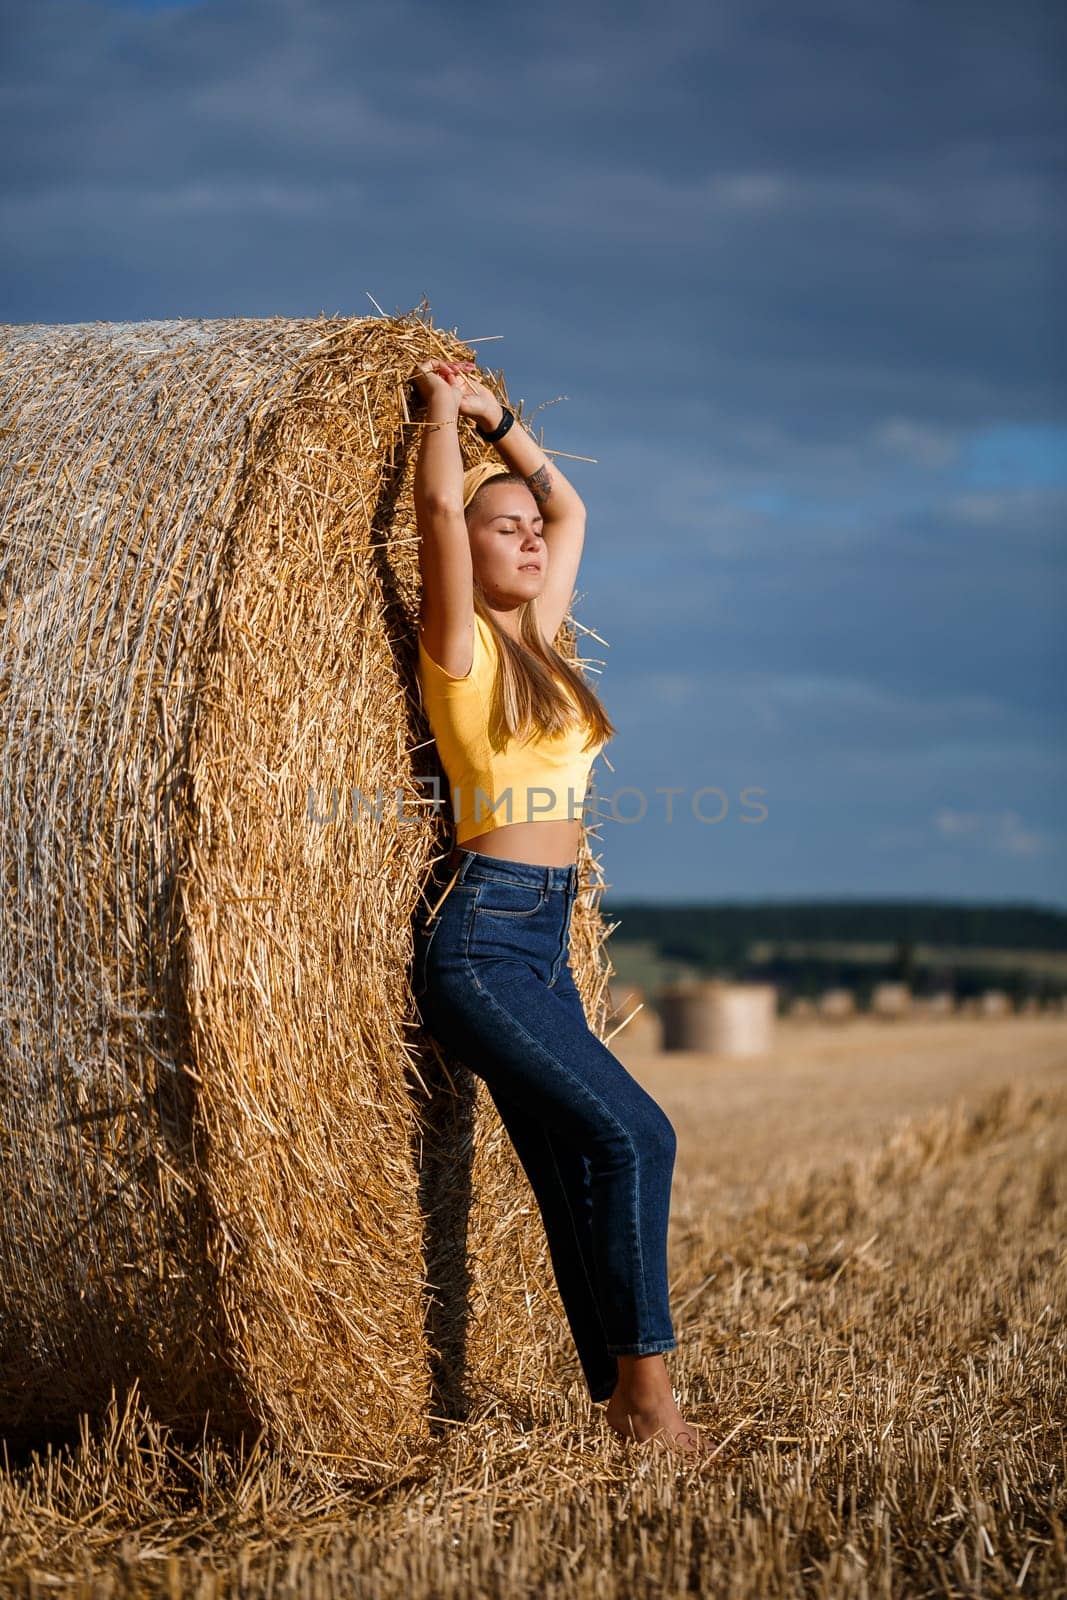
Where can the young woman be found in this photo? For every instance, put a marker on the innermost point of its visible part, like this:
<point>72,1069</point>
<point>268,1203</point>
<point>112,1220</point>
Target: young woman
<point>517,729</point>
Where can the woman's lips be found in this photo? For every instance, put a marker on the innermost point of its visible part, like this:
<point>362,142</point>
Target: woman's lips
<point>530,566</point>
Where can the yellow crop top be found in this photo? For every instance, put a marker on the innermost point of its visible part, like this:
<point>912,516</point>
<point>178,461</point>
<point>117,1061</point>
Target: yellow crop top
<point>541,781</point>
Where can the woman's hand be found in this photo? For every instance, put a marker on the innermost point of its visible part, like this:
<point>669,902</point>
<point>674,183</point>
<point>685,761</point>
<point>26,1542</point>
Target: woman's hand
<point>434,378</point>
<point>480,402</point>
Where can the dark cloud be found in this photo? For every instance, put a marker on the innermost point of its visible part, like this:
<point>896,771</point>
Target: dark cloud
<point>790,263</point>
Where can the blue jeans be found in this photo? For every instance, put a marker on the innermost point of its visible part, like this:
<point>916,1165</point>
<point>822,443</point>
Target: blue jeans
<point>493,984</point>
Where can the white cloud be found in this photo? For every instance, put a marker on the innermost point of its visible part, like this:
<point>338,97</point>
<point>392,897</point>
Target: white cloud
<point>983,509</point>
<point>921,442</point>
<point>674,687</point>
<point>986,507</point>
<point>1000,831</point>
<point>953,823</point>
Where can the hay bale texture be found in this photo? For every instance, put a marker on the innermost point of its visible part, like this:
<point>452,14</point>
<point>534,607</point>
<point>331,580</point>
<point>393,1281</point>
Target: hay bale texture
<point>232,1164</point>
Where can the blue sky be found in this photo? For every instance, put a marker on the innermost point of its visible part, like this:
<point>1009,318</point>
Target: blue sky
<point>796,269</point>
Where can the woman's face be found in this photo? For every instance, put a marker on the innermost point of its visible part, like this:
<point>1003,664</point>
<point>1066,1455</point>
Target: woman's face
<point>508,551</point>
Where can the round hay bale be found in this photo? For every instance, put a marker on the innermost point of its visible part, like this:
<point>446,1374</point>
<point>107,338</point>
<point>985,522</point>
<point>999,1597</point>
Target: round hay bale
<point>941,1003</point>
<point>631,1021</point>
<point>744,1016</point>
<point>801,1009</point>
<point>994,1003</point>
<point>837,1005</point>
<point>231,1165</point>
<point>685,1009</point>
<point>624,996</point>
<point>891,1000</point>
<point>729,1019</point>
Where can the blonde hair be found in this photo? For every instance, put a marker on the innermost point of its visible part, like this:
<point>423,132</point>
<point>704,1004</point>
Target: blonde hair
<point>527,701</point>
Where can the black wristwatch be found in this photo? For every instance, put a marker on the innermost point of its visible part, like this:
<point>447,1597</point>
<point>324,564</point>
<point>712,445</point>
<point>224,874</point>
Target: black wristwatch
<point>498,433</point>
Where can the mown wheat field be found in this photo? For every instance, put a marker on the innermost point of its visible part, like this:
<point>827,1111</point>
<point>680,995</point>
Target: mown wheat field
<point>869,1286</point>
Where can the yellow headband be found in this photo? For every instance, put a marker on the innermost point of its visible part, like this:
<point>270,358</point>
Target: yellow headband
<point>476,476</point>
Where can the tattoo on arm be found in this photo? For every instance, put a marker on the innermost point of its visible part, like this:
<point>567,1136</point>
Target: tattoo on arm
<point>540,485</point>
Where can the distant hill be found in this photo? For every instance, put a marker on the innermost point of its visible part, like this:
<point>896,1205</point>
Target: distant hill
<point>807,946</point>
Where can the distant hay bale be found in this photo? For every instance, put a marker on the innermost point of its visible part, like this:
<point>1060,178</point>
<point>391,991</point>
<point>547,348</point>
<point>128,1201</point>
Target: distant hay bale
<point>940,1004</point>
<point>686,1014</point>
<point>801,1009</point>
<point>232,1165</point>
<point>728,1019</point>
<point>744,1018</point>
<point>631,1021</point>
<point>622,996</point>
<point>837,1005</point>
<point>994,1003</point>
<point>891,1000</point>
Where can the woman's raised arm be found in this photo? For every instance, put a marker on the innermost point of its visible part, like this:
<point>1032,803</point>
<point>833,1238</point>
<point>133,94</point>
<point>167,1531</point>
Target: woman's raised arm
<point>439,466</point>
<point>445,565</point>
<point>557,498</point>
<point>560,504</point>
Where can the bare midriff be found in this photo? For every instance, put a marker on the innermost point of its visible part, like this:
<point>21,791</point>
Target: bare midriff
<point>543,844</point>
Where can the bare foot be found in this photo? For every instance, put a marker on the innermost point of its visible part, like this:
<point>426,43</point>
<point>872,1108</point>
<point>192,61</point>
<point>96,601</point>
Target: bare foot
<point>661,1421</point>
